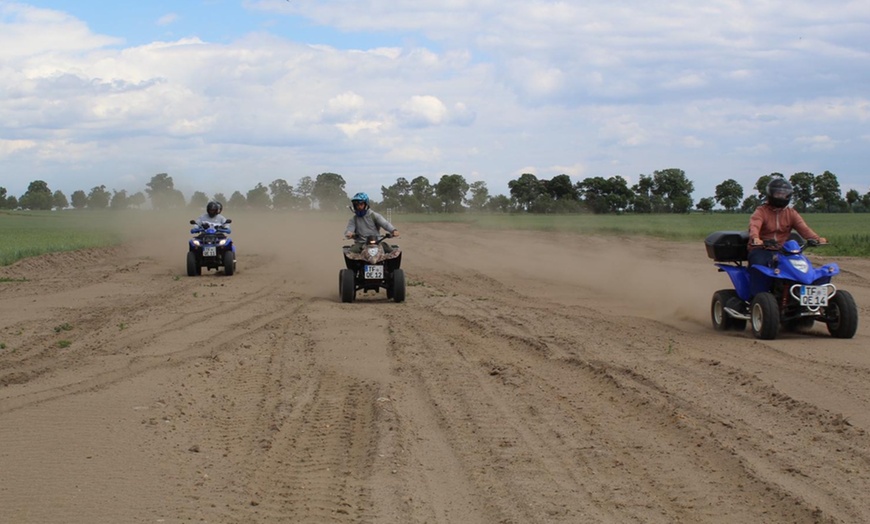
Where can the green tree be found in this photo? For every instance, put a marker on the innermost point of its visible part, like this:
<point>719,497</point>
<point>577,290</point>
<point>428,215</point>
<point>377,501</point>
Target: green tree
<point>705,204</point>
<point>560,187</point>
<point>237,201</point>
<point>451,190</point>
<point>423,197</point>
<point>605,195</point>
<point>161,190</point>
<point>803,190</point>
<point>728,194</point>
<point>750,203</point>
<point>500,204</point>
<point>198,200</point>
<point>479,195</point>
<point>58,200</point>
<point>282,195</point>
<point>305,192</point>
<point>674,189</point>
<point>827,195</point>
<point>99,198</point>
<point>329,192</point>
<point>79,199</point>
<point>853,199</point>
<point>397,195</point>
<point>218,197</point>
<point>38,196</point>
<point>119,201</point>
<point>643,197</point>
<point>137,199</point>
<point>4,201</point>
<point>525,190</point>
<point>258,198</point>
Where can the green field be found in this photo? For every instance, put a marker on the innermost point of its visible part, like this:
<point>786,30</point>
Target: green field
<point>24,234</point>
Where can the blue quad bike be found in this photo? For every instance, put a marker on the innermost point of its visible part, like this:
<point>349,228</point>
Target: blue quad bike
<point>212,248</point>
<point>790,294</point>
<point>372,269</point>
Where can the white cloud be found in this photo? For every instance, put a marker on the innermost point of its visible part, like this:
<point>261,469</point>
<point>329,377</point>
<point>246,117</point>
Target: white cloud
<point>423,111</point>
<point>462,86</point>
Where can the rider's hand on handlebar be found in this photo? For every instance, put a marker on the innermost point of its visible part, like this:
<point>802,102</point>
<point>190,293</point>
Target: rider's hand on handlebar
<point>757,242</point>
<point>348,235</point>
<point>395,233</point>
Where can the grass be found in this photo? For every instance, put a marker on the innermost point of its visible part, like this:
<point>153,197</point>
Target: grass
<point>26,234</point>
<point>848,233</point>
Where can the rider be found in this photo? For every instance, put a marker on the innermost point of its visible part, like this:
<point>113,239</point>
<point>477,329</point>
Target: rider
<point>365,223</point>
<point>773,221</point>
<point>212,214</point>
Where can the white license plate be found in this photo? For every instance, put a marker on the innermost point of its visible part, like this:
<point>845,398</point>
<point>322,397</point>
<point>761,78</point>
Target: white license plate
<point>374,272</point>
<point>209,251</point>
<point>814,296</point>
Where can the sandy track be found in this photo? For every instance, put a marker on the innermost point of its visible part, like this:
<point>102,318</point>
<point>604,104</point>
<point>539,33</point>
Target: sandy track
<point>536,378</point>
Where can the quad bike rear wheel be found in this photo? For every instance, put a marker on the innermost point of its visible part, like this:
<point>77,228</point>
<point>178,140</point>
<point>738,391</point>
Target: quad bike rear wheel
<point>229,263</point>
<point>764,314</point>
<point>722,321</point>
<point>842,315</point>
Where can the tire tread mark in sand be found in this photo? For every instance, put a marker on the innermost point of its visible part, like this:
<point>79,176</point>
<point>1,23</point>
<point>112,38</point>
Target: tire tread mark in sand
<point>661,423</point>
<point>229,333</point>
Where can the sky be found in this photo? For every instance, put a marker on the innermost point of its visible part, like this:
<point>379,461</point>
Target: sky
<point>223,95</point>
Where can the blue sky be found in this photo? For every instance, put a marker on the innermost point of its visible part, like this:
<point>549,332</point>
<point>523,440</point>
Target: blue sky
<point>223,94</point>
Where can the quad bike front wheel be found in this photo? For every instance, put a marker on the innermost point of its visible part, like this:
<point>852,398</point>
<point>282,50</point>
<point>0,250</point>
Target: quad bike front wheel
<point>722,321</point>
<point>841,315</point>
<point>229,263</point>
<point>347,285</point>
<point>764,315</point>
<point>193,268</point>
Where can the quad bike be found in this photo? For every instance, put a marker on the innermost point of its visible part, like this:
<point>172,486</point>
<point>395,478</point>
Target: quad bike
<point>791,293</point>
<point>211,247</point>
<point>372,269</point>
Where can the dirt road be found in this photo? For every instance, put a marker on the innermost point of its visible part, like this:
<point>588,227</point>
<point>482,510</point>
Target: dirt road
<point>530,378</point>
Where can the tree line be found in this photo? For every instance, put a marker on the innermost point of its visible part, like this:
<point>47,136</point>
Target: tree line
<point>665,191</point>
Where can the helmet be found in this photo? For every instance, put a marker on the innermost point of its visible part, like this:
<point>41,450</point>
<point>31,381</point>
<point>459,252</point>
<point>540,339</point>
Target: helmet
<point>360,198</point>
<point>779,192</point>
<point>213,208</point>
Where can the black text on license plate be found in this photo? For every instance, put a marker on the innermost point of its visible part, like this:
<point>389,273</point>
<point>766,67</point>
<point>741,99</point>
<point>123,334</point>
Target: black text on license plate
<point>814,296</point>
<point>374,272</point>
<point>209,251</point>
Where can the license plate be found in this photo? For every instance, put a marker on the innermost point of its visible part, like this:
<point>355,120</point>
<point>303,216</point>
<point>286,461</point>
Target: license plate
<point>374,272</point>
<point>209,251</point>
<point>814,296</point>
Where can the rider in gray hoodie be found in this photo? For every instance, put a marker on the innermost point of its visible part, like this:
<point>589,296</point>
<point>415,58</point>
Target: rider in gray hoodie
<point>365,223</point>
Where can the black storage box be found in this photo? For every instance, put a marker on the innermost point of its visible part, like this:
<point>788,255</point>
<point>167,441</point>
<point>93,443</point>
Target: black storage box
<point>727,246</point>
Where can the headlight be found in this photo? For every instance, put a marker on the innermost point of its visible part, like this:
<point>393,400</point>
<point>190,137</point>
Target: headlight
<point>196,243</point>
<point>222,242</point>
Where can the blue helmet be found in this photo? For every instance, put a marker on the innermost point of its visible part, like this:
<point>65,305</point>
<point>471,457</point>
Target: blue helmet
<point>360,198</point>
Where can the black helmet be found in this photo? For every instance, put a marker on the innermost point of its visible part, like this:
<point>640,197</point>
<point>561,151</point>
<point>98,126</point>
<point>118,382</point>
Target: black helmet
<point>779,192</point>
<point>213,208</point>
